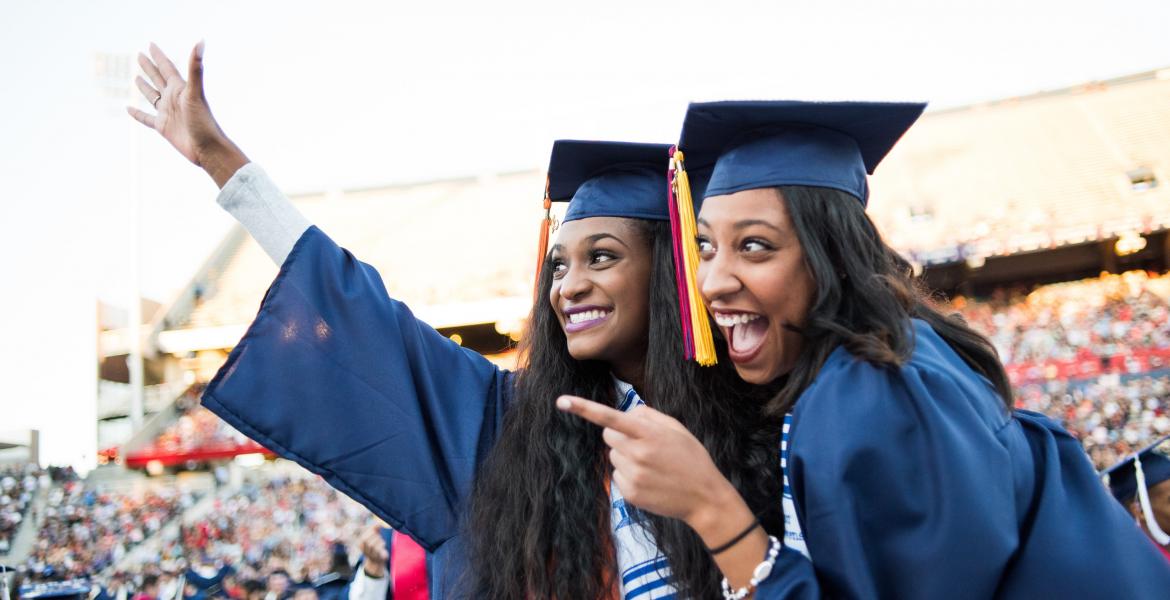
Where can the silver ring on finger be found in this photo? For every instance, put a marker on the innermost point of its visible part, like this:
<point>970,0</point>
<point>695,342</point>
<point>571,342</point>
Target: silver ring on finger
<point>154,102</point>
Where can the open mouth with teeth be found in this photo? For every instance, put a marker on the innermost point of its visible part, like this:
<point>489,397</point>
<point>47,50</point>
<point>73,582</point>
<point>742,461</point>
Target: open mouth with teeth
<point>580,319</point>
<point>745,333</point>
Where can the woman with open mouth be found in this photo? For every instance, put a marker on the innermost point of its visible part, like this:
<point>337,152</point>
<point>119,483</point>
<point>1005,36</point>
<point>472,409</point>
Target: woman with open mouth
<point>907,473</point>
<point>510,497</point>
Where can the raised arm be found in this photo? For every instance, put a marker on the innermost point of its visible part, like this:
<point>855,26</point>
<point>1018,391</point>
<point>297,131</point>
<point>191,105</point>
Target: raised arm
<point>334,373</point>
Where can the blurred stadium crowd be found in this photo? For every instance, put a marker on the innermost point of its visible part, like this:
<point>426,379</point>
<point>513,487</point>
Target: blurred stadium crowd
<point>1091,353</point>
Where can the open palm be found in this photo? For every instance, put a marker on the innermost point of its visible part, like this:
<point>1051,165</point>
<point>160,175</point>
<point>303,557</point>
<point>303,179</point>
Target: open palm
<point>182,116</point>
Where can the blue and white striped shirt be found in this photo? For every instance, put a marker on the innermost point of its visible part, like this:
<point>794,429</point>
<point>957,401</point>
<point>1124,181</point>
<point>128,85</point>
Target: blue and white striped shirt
<point>645,574</point>
<point>793,535</point>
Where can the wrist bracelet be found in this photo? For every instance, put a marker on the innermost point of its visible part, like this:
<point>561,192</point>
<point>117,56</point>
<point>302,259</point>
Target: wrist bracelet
<point>737,539</point>
<point>759,574</point>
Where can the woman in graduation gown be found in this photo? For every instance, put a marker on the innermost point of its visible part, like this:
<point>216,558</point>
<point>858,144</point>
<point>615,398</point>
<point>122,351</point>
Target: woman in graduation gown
<point>509,496</point>
<point>907,474</point>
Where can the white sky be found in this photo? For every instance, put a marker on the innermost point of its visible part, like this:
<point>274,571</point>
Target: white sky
<point>342,94</point>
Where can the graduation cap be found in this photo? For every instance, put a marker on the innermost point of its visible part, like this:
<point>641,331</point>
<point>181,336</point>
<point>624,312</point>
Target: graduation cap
<point>758,144</point>
<point>1136,474</point>
<point>631,180</point>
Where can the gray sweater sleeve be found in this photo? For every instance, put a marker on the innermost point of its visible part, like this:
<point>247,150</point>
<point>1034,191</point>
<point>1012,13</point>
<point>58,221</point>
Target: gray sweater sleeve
<point>255,201</point>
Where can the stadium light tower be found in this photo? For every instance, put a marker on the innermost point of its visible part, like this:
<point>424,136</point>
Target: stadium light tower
<point>113,74</point>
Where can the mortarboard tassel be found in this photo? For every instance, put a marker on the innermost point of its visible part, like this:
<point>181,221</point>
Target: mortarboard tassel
<point>700,329</point>
<point>680,278</point>
<point>542,245</point>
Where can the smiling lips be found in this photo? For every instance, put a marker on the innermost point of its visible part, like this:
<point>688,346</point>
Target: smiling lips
<point>581,318</point>
<point>745,332</point>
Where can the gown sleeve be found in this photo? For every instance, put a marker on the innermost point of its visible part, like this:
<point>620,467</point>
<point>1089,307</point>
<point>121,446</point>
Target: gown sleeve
<point>339,377</point>
<point>906,493</point>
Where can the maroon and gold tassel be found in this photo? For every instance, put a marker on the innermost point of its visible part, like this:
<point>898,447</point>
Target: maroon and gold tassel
<point>697,333</point>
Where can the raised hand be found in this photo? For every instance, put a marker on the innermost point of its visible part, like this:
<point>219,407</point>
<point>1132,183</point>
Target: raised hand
<point>374,549</point>
<point>183,116</point>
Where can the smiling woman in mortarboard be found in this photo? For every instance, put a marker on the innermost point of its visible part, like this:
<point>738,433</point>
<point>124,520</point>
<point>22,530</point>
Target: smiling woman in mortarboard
<point>436,440</point>
<point>907,473</point>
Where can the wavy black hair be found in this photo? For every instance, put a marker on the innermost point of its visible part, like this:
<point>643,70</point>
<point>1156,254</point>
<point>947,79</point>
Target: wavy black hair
<point>865,296</point>
<point>539,520</point>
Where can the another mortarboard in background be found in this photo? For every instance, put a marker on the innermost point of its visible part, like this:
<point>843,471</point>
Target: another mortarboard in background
<point>758,144</point>
<point>1135,475</point>
<point>1155,462</point>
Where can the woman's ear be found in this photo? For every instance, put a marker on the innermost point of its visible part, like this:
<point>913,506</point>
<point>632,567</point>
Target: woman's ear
<point>1135,509</point>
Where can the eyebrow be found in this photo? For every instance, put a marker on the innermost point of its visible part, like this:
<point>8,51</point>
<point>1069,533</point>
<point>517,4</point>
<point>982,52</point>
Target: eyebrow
<point>600,236</point>
<point>747,223</point>
<point>591,239</point>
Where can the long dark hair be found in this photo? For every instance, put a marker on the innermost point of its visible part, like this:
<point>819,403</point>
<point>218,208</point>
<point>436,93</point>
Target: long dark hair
<point>865,296</point>
<point>539,523</point>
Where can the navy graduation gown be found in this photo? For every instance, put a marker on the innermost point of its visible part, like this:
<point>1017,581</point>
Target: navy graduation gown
<point>209,586</point>
<point>917,483</point>
<point>339,377</point>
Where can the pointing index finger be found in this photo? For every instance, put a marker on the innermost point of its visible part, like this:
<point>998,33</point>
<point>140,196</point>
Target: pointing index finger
<point>600,414</point>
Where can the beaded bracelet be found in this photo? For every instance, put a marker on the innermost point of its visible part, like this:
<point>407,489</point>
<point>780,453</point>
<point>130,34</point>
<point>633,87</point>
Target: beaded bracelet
<point>760,573</point>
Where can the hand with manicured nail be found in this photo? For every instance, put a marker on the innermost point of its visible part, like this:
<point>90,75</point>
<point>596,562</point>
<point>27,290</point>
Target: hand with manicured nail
<point>660,467</point>
<point>657,464</point>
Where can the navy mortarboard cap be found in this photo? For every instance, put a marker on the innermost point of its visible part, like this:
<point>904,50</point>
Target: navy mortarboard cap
<point>1136,475</point>
<point>1155,462</point>
<point>758,144</point>
<point>604,179</point>
<point>609,179</point>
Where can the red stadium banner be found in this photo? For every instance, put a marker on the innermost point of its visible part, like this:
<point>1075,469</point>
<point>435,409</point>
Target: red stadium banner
<point>1090,366</point>
<point>166,458</point>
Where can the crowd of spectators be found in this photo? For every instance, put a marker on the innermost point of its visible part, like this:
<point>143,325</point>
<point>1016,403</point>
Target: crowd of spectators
<point>1100,317</point>
<point>1119,325</point>
<point>1112,415</point>
<point>19,483</point>
<point>86,529</point>
<point>275,538</point>
<point>285,522</point>
<point>197,429</point>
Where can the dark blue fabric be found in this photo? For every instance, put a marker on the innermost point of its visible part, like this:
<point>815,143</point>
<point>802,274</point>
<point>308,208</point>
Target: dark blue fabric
<point>1122,477</point>
<point>609,179</point>
<point>339,377</point>
<point>211,586</point>
<point>335,588</point>
<point>916,482</point>
<point>758,144</point>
